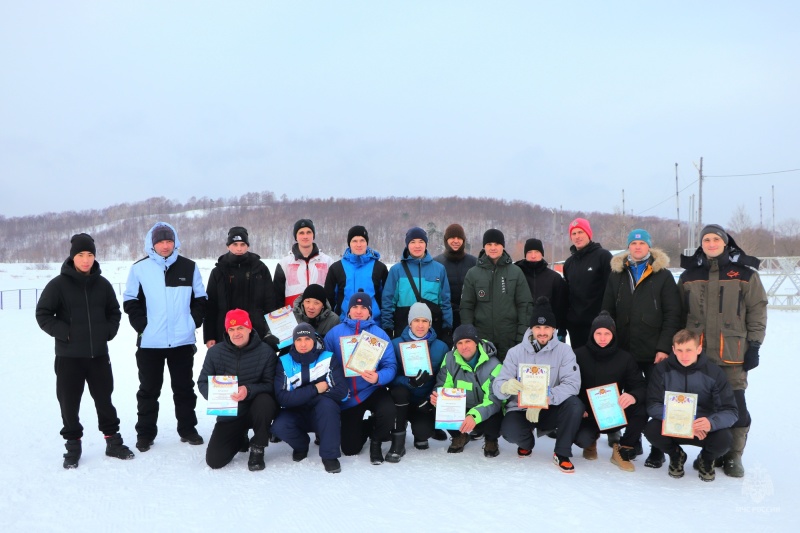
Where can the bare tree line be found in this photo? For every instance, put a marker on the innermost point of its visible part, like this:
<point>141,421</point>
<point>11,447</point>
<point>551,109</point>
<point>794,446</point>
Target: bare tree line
<point>203,223</point>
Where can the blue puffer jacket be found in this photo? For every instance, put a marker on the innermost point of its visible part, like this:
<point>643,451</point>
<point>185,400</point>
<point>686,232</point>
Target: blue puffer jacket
<point>354,273</point>
<point>361,389</point>
<point>436,349</point>
<point>164,297</point>
<point>430,278</point>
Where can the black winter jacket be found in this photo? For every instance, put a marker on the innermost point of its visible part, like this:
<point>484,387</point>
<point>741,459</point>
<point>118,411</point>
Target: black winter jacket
<point>546,282</point>
<point>80,311</point>
<point>456,265</point>
<point>586,273</point>
<point>238,282</point>
<point>647,314</point>
<point>603,366</point>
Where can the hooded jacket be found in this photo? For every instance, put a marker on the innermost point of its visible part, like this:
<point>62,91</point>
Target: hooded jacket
<point>294,273</point>
<point>361,389</point>
<point>164,297</point>
<point>586,273</point>
<point>456,264</point>
<point>436,349</point>
<point>497,301</point>
<point>546,282</point>
<point>296,388</point>
<point>354,273</point>
<point>647,313</point>
<point>724,300</point>
<point>565,378</point>
<point>430,279</point>
<point>455,372</point>
<point>254,364</point>
<point>715,399</point>
<point>603,366</point>
<point>81,312</point>
<point>238,282</point>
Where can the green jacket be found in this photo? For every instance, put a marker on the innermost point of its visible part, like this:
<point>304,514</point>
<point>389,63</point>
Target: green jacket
<point>497,301</point>
<point>456,373</point>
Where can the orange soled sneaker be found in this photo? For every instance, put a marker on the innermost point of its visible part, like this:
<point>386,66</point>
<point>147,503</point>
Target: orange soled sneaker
<point>564,464</point>
<point>522,452</point>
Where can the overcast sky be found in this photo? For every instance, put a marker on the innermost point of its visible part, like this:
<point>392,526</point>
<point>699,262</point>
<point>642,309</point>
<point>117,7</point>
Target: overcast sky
<point>556,103</point>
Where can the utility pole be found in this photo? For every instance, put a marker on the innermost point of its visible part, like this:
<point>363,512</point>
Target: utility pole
<point>700,200</point>
<point>678,205</point>
<point>760,214</point>
<point>774,252</point>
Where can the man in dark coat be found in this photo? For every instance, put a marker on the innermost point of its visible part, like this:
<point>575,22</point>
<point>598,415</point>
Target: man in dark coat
<point>456,262</point>
<point>80,310</point>
<point>586,273</point>
<point>546,282</point>
<point>243,355</point>
<point>240,280</point>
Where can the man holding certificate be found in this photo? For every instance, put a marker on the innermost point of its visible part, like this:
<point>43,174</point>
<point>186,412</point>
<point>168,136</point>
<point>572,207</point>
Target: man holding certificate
<point>419,356</point>
<point>244,356</point>
<point>699,391</point>
<point>471,366</point>
<point>367,388</point>
<point>613,393</point>
<point>533,402</point>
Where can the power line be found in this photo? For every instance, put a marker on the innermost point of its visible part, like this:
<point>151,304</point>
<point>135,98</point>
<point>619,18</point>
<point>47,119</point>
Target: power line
<point>670,197</point>
<point>757,174</point>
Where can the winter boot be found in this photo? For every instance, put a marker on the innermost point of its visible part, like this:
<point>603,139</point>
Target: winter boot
<point>622,455</point>
<point>332,466</point>
<point>705,469</point>
<point>458,443</point>
<point>732,461</point>
<point>590,452</point>
<point>299,455</point>
<point>421,444</point>
<point>398,447</point>
<point>375,453</point>
<point>143,443</point>
<point>73,454</point>
<point>490,448</point>
<point>676,461</point>
<point>439,434</point>
<point>193,438</point>
<point>115,448</point>
<point>655,459</point>
<point>256,461</point>
<point>475,435</point>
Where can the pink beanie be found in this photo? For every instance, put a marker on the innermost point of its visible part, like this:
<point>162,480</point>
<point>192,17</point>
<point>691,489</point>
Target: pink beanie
<point>583,224</point>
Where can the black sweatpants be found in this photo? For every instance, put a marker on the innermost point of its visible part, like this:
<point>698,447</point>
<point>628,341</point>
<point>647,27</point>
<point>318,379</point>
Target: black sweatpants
<point>637,418</point>
<point>226,438</point>
<point>716,444</point>
<point>355,430</point>
<point>150,362</point>
<point>422,422</point>
<point>71,375</point>
<point>566,417</point>
<point>490,427</point>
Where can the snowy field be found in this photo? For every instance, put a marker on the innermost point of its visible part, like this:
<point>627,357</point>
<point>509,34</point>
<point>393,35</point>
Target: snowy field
<point>171,489</point>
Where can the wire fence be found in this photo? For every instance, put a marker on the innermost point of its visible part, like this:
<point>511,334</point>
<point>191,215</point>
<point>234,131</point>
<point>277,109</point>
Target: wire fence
<point>27,298</point>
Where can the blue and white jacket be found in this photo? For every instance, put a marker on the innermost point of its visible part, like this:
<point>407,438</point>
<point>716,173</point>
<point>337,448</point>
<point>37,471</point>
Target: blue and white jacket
<point>297,374</point>
<point>164,297</point>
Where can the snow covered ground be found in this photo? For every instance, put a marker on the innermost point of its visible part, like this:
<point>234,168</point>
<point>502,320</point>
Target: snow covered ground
<point>170,488</point>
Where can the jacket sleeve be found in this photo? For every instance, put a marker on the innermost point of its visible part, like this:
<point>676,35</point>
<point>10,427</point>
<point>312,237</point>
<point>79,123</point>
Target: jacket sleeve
<point>400,379</point>
<point>134,303</point>
<point>46,310</point>
<point>443,377</point>
<point>508,371</point>
<point>634,381</point>
<point>467,306</point>
<point>113,314</point>
<point>332,289</point>
<point>209,369</point>
<point>655,392</point>
<point>268,298</point>
<point>569,378</point>
<point>726,411</point>
<point>295,397</point>
<point>490,404</point>
<point>683,302</point>
<point>671,314</point>
<point>279,282</point>
<point>387,299</point>
<point>387,366</point>
<point>524,303</point>
<point>755,301</point>
<point>338,386</point>
<point>210,332</point>
<point>447,308</point>
<point>560,304</point>
<point>610,297</point>
<point>266,382</point>
<point>197,307</point>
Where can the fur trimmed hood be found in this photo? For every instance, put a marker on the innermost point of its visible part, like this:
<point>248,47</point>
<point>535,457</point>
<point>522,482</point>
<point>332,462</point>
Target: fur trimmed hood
<point>658,260</point>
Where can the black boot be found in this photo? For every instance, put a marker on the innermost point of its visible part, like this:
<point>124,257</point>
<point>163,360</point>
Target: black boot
<point>115,447</point>
<point>375,453</point>
<point>73,454</point>
<point>256,461</point>
<point>398,447</point>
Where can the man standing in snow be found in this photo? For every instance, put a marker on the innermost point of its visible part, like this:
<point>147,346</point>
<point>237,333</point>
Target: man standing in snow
<point>304,265</point>
<point>165,301</point>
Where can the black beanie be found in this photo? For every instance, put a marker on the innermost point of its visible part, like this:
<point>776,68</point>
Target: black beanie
<point>466,331</point>
<point>303,223</point>
<point>237,234</point>
<point>303,329</point>
<point>163,233</point>
<point>494,235</point>
<point>716,229</point>
<point>604,320</point>
<point>542,313</point>
<point>357,231</point>
<point>533,244</point>
<point>361,298</point>
<point>315,291</point>
<point>82,242</point>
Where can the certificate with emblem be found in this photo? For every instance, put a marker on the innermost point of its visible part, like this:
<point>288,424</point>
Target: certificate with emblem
<point>367,353</point>
<point>348,344</point>
<point>535,381</point>
<point>220,389</point>
<point>281,323</point>
<point>451,408</point>
<point>415,357</point>
<point>680,410</point>
<point>605,406</point>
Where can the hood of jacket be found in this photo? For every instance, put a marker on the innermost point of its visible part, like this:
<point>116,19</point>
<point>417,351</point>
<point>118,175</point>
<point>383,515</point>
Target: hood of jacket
<point>68,269</point>
<point>298,310</point>
<point>532,267</point>
<point>406,335</point>
<point>425,259</point>
<point>528,347</point>
<point>151,252</point>
<point>230,259</point>
<point>485,262</point>
<point>732,253</point>
<point>659,260</point>
<point>592,246</point>
<point>359,260</point>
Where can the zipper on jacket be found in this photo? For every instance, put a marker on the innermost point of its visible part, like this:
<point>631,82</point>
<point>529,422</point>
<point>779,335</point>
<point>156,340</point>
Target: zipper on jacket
<point>721,294</point>
<point>739,303</point>
<point>89,317</point>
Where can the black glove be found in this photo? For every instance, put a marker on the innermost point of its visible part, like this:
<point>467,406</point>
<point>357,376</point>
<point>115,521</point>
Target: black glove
<point>426,407</point>
<point>420,379</point>
<point>273,341</point>
<point>751,357</point>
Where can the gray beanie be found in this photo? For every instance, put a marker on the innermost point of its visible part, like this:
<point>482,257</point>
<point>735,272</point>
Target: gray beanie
<point>419,310</point>
<point>716,229</point>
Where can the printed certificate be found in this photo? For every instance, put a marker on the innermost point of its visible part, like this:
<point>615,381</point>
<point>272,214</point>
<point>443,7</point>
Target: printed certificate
<point>451,408</point>
<point>680,410</point>
<point>348,344</point>
<point>220,389</point>
<point>281,323</point>
<point>415,357</point>
<point>605,406</point>
<point>535,381</point>
<point>367,353</point>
